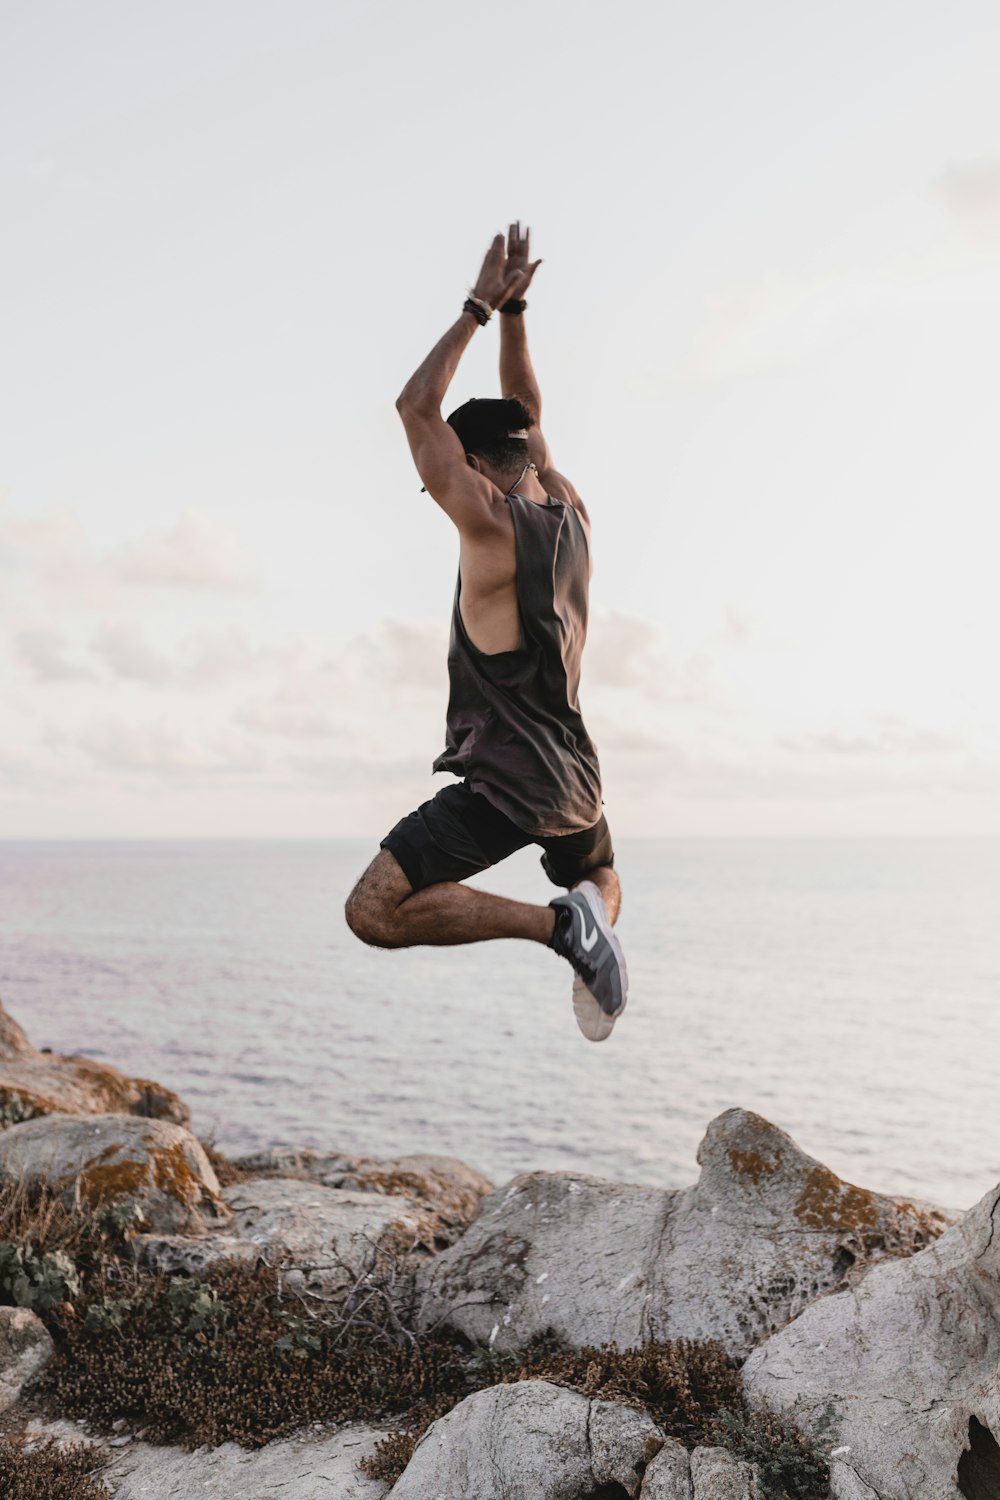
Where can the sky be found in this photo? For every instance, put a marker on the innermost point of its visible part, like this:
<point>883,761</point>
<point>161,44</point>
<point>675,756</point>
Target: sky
<point>765,329</point>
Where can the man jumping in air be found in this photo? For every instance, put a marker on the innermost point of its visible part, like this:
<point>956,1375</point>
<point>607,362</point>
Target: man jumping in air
<point>514,730</point>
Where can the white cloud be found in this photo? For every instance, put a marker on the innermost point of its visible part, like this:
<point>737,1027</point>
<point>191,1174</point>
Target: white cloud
<point>197,554</point>
<point>889,736</point>
<point>404,655</point>
<point>157,749</point>
<point>127,655</point>
<point>52,552</point>
<point>287,722</point>
<point>46,652</point>
<point>215,656</point>
<point>626,652</point>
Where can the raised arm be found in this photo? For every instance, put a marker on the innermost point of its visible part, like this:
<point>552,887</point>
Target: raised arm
<point>464,493</point>
<point>517,374</point>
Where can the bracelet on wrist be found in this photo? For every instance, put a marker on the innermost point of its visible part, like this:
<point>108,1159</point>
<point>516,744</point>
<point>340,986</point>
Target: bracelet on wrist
<point>481,311</point>
<point>513,305</point>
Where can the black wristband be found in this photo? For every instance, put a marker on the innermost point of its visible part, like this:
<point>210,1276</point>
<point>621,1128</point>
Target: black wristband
<point>513,305</point>
<point>469,306</point>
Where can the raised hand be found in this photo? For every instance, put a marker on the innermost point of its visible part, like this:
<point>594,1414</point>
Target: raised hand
<point>501,276</point>
<point>518,256</point>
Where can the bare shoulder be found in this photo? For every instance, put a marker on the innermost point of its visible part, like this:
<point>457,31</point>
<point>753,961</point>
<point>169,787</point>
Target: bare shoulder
<point>561,488</point>
<point>554,482</point>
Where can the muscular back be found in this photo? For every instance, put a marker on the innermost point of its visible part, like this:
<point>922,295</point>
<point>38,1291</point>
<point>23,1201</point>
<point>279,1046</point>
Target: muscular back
<point>488,564</point>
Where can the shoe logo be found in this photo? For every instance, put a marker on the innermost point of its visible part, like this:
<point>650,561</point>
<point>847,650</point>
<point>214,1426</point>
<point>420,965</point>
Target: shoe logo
<point>586,942</point>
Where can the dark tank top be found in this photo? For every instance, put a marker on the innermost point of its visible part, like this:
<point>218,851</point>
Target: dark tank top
<point>514,729</point>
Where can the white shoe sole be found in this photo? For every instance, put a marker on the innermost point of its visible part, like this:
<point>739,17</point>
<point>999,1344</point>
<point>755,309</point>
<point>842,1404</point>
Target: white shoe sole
<point>594,1022</point>
<point>592,1019</point>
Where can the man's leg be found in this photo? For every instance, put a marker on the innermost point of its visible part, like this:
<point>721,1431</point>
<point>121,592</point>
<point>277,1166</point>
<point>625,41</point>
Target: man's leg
<point>385,911</point>
<point>607,882</point>
<point>583,864</point>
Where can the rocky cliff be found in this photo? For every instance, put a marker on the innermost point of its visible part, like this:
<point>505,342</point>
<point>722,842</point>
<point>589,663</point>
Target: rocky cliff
<point>313,1324</point>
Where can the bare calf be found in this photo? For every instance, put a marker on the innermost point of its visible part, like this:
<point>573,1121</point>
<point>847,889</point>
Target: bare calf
<point>384,911</point>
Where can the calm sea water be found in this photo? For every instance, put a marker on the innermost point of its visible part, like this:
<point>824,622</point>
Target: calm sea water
<point>849,990</point>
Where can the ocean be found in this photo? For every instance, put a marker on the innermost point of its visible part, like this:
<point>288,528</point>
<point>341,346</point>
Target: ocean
<point>848,990</point>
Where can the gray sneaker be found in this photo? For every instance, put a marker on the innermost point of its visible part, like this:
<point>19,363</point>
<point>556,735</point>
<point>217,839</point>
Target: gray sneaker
<point>584,935</point>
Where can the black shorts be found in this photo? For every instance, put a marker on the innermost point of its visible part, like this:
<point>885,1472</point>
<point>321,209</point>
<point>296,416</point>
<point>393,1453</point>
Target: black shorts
<point>458,833</point>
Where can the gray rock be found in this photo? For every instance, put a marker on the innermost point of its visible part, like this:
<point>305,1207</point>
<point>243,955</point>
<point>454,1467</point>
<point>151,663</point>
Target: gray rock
<point>34,1083</point>
<point>717,1475</point>
<point>327,1233</point>
<point>621,1442</point>
<point>449,1191</point>
<point>898,1376</point>
<point>763,1233</point>
<point>669,1475</point>
<point>308,1466</point>
<point>40,1430</point>
<point>529,1441</point>
<point>25,1350</point>
<point>151,1167</point>
<point>190,1255</point>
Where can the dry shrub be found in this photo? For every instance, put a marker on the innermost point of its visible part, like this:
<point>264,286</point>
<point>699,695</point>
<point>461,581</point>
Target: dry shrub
<point>33,1215</point>
<point>50,1472</point>
<point>227,1356</point>
<point>683,1383</point>
<point>391,1456</point>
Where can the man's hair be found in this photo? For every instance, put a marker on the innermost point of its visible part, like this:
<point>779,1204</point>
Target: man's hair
<point>496,430</point>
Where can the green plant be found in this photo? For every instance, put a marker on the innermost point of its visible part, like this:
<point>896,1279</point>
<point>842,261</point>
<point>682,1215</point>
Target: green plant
<point>106,1316</point>
<point>37,1281</point>
<point>118,1221</point>
<point>301,1337</point>
<point>194,1307</point>
<point>790,1468</point>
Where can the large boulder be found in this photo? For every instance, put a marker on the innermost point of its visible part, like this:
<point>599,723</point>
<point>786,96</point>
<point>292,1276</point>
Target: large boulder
<point>151,1171</point>
<point>763,1233</point>
<point>34,1083</point>
<point>530,1441</point>
<point>25,1350</point>
<point>449,1191</point>
<point>326,1236</point>
<point>900,1376</point>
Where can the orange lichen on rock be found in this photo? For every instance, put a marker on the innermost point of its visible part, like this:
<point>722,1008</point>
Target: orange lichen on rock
<point>751,1164</point>
<point>154,1169</point>
<point>110,1181</point>
<point>174,1175</point>
<point>165,1169</point>
<point>826,1202</point>
<point>929,1222</point>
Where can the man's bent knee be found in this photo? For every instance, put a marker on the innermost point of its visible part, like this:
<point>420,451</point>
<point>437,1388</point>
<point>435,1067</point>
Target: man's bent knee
<point>370,920</point>
<point>372,905</point>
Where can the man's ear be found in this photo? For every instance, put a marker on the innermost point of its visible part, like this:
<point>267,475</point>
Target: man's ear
<point>473,462</point>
